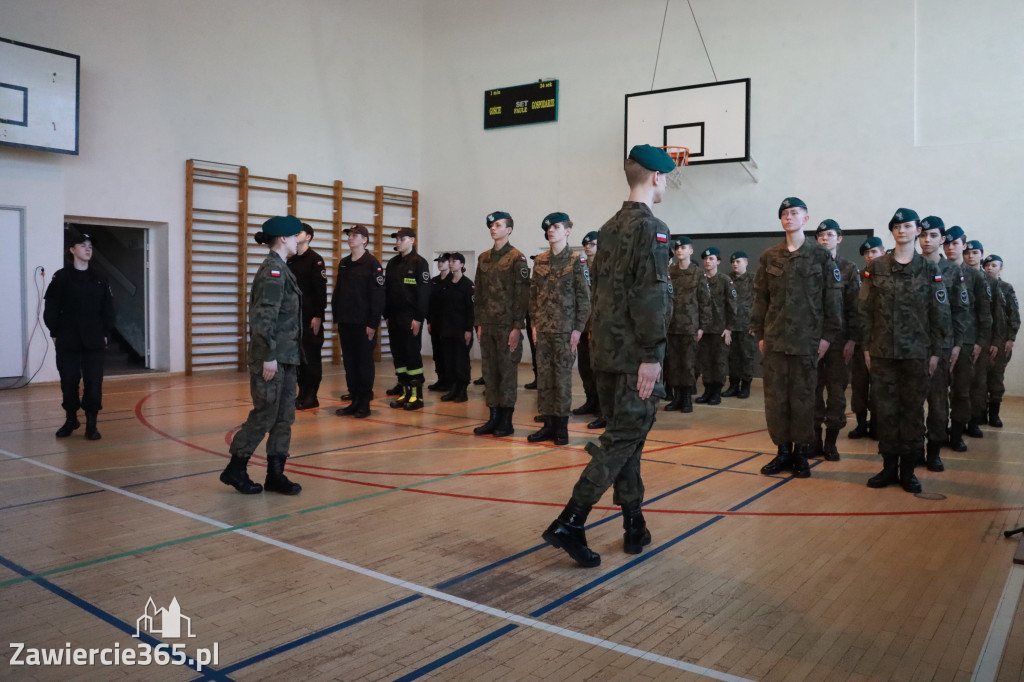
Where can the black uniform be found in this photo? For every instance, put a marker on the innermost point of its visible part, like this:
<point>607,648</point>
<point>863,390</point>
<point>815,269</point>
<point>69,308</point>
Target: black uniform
<point>454,318</point>
<point>437,285</point>
<point>79,312</point>
<point>407,297</point>
<point>311,275</point>
<point>357,303</point>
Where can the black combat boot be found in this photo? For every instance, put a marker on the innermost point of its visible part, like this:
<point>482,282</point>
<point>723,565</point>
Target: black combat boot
<point>450,395</point>
<point>889,473</point>
<point>703,398</point>
<point>956,437</point>
<point>675,395</point>
<point>91,433</point>
<point>931,458</point>
<point>566,532</point>
<point>540,419</point>
<point>783,461</point>
<point>306,400</point>
<point>546,432</point>
<point>363,408</point>
<point>686,401</point>
<point>532,386</point>
<point>397,389</point>
<point>479,382</point>
<point>442,384</point>
<point>589,406</point>
<point>907,478</point>
<point>236,476</point>
<point>636,535</point>
<point>993,414</point>
<point>351,408</point>
<point>716,394</point>
<point>488,426</point>
<point>70,424</point>
<point>828,449</point>
<point>599,422</point>
<point>733,390</point>
<point>815,449</point>
<point>973,430</point>
<point>861,430</point>
<point>744,391</point>
<point>460,393</point>
<point>561,431</point>
<point>800,467</point>
<point>276,481</point>
<point>415,401</point>
<point>346,396</point>
<point>504,427</point>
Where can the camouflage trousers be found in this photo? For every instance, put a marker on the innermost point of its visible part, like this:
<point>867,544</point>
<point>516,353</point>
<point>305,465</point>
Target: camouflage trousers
<point>833,376</point>
<point>712,358</point>
<point>901,389</point>
<point>789,382</point>
<point>861,399</point>
<point>554,374</point>
<point>681,361</point>
<point>615,457</point>
<point>742,355</point>
<point>938,400</point>
<point>500,366</point>
<point>979,388</point>
<point>273,410</point>
<point>996,372</point>
<point>960,380</point>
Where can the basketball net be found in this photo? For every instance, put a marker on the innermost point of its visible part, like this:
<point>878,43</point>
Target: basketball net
<point>681,155</point>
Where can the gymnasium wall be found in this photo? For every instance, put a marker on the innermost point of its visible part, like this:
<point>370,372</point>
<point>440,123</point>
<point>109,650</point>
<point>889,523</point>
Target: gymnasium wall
<point>844,100</point>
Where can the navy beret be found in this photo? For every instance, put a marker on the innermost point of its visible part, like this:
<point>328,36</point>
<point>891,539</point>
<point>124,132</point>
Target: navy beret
<point>652,158</point>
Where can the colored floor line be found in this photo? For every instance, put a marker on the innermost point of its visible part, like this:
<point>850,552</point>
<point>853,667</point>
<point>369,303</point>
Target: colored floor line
<point>106,617</point>
<point>987,667</point>
<point>376,575</point>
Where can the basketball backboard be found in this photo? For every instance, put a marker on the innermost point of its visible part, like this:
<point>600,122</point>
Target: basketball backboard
<point>38,97</point>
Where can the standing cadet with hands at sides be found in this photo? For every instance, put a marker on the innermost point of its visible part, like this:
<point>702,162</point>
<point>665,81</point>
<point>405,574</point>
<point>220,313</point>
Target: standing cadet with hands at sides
<point>861,399</point>
<point>559,310</point>
<point>406,299</point>
<point>632,303</point>
<point>590,404</point>
<point>743,348</point>
<point>275,321</point>
<point>691,315</point>
<point>308,267</point>
<point>437,283</point>
<point>1005,325</point>
<point>502,294</point>
<point>455,327</point>
<point>974,254</point>
<point>713,348</point>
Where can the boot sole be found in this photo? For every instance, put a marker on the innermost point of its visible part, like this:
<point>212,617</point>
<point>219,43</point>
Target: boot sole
<point>256,490</point>
<point>553,540</point>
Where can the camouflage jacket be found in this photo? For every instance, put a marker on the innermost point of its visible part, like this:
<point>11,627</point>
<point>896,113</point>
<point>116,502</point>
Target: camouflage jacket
<point>797,299</point>
<point>977,296</point>
<point>275,314</point>
<point>959,311</point>
<point>560,292</point>
<point>851,289</point>
<point>691,300</point>
<point>723,303</point>
<point>1006,314</point>
<point>904,309</point>
<point>502,288</point>
<point>743,285</point>
<point>632,298</point>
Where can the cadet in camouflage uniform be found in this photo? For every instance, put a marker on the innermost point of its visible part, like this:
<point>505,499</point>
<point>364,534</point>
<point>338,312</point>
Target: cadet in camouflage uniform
<point>559,309</point>
<point>590,405</point>
<point>974,253</point>
<point>713,347</point>
<point>406,303</point>
<point>743,349</point>
<point>1005,325</point>
<point>834,367</point>
<point>976,296</point>
<point>905,320</point>
<point>933,231</point>
<point>632,303</point>
<point>275,321</point>
<point>797,314</point>
<point>502,295</point>
<point>861,399</point>
<point>691,315</point>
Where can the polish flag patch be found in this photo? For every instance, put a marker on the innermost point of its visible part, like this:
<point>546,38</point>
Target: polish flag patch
<point>938,278</point>
<point>662,237</point>
<point>275,273</point>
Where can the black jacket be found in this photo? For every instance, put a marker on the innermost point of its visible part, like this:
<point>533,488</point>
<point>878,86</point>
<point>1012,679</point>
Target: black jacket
<point>454,309</point>
<point>311,275</point>
<point>358,296</point>
<point>79,309</point>
<point>407,281</point>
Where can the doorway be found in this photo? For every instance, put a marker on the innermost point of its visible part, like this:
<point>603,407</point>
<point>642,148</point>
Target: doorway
<point>121,256</point>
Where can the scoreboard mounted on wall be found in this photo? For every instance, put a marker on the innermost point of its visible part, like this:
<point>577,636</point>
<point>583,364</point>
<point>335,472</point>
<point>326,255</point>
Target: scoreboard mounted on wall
<point>520,104</point>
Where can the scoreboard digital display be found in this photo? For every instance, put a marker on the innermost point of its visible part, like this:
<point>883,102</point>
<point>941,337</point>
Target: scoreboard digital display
<point>521,104</point>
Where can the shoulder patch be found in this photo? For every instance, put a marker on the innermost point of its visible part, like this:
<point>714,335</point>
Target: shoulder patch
<point>867,274</point>
<point>380,279</point>
<point>837,275</point>
<point>661,237</point>
<point>963,297</point>
<point>586,274</point>
<point>940,295</point>
<point>275,273</point>
<point>426,276</point>
<point>522,258</point>
<point>524,272</point>
<point>938,277</point>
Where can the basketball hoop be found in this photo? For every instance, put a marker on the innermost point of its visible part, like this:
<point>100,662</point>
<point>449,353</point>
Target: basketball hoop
<point>681,155</point>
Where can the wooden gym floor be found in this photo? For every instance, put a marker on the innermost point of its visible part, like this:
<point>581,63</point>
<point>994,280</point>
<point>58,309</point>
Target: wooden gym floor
<point>414,549</point>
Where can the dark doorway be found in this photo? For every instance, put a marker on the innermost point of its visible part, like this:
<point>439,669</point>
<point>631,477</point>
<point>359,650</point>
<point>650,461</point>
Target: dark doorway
<point>121,255</point>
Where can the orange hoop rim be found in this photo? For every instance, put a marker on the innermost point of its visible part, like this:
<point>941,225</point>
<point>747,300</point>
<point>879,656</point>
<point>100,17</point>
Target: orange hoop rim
<point>681,155</point>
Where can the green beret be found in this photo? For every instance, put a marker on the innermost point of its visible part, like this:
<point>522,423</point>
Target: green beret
<point>496,216</point>
<point>829,224</point>
<point>736,255</point>
<point>973,245</point>
<point>791,202</point>
<point>870,243</point>
<point>681,241</point>
<point>710,251</point>
<point>990,258</point>
<point>903,215</point>
<point>282,226</point>
<point>553,219</point>
<point>590,237</point>
<point>933,222</point>
<point>954,233</point>
<point>652,158</point>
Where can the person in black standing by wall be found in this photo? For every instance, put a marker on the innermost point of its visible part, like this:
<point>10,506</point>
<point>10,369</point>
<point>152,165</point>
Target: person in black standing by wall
<point>406,298</point>
<point>438,282</point>
<point>455,327</point>
<point>79,312</point>
<point>308,267</point>
<point>357,304</point>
